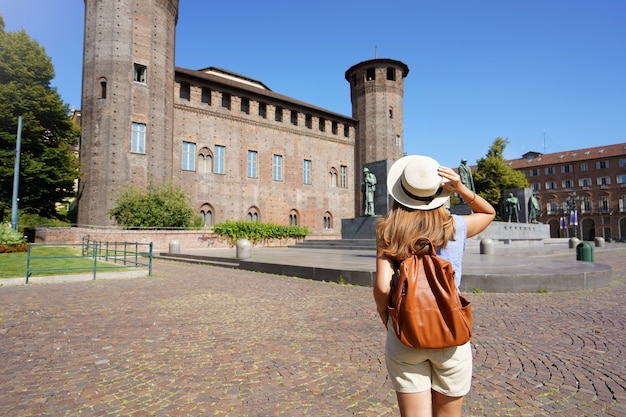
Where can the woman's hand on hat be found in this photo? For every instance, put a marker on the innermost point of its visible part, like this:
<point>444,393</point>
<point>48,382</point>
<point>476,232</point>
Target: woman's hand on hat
<point>451,180</point>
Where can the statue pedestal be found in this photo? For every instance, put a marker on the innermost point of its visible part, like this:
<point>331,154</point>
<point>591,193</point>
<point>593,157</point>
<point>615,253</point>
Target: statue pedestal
<point>462,209</point>
<point>363,227</point>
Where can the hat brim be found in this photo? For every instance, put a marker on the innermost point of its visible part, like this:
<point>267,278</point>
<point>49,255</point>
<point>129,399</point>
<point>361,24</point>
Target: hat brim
<point>394,186</point>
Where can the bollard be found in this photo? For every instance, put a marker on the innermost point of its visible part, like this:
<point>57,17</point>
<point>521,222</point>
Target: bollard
<point>584,252</point>
<point>174,246</point>
<point>486,247</point>
<point>599,241</point>
<point>573,242</point>
<point>244,249</point>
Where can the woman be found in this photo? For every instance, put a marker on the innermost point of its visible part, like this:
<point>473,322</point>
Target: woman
<point>428,382</point>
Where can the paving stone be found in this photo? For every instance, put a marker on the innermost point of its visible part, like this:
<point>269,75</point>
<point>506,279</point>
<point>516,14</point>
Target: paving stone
<point>198,340</point>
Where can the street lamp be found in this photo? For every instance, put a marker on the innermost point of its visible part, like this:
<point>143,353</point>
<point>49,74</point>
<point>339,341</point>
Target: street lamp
<point>573,201</point>
<point>562,221</point>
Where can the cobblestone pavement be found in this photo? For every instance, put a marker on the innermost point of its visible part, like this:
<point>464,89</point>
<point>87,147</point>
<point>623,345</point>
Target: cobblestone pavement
<point>197,340</point>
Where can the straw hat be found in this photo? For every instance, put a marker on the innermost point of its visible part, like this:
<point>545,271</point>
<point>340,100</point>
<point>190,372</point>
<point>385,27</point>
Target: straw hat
<point>413,181</point>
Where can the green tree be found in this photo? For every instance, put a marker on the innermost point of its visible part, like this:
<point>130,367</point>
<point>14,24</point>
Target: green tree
<point>493,175</point>
<point>156,206</point>
<point>48,165</point>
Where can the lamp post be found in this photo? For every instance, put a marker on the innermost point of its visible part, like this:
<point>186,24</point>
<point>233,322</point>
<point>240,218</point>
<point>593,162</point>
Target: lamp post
<point>16,174</point>
<point>562,221</point>
<point>573,201</point>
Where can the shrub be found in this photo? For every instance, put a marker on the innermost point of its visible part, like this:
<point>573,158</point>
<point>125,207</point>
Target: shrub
<point>158,206</point>
<point>10,240</point>
<point>257,232</point>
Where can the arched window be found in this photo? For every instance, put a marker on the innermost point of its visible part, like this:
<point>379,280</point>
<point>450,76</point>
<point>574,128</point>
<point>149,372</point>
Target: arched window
<point>205,161</point>
<point>253,215</point>
<point>206,214</point>
<point>328,221</point>
<point>333,177</point>
<point>293,218</point>
<point>103,87</point>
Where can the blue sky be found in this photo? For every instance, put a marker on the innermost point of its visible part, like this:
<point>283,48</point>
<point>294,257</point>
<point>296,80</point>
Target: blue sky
<point>549,75</point>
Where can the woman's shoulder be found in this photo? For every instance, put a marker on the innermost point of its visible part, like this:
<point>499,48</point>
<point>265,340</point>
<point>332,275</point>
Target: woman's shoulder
<point>458,220</point>
<point>461,225</point>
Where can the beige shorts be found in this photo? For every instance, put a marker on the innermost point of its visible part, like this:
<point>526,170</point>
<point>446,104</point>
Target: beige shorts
<point>447,370</point>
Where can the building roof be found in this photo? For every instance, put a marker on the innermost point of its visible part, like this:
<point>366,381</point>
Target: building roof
<point>253,87</point>
<point>377,62</point>
<point>234,76</point>
<point>533,159</point>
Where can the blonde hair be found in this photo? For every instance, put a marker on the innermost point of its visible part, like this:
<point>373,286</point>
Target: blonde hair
<point>397,232</point>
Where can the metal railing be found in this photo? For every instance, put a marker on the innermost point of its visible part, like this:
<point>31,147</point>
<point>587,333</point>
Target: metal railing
<point>93,257</point>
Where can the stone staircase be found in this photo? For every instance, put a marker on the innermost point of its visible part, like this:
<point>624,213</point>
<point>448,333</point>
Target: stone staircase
<point>344,244</point>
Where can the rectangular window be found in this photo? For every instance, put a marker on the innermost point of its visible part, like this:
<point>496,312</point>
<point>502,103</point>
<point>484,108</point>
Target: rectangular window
<point>533,172</point>
<point>139,73</point>
<point>322,124</point>
<point>567,184</point>
<point>622,162</point>
<point>604,181</point>
<point>226,101</point>
<point>622,203</point>
<point>189,156</point>
<point>585,205</point>
<point>535,186</point>
<point>584,166</point>
<point>218,159</point>
<point>206,95</point>
<point>566,169</point>
<point>621,179</point>
<point>602,164</point>
<point>584,182</point>
<point>346,133</point>
<point>334,128</point>
<point>550,185</point>
<point>604,203</point>
<point>343,180</point>
<point>185,91</point>
<point>245,105</point>
<point>391,74</point>
<point>253,158</point>
<point>278,115</point>
<point>306,174</point>
<point>308,121</point>
<point>138,139</point>
<point>277,168</point>
<point>294,118</point>
<point>549,170</point>
<point>263,110</point>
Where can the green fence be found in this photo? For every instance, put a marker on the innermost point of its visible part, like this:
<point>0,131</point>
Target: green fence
<point>90,256</point>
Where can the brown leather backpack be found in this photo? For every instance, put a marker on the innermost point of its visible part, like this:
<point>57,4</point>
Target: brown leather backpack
<point>425,307</point>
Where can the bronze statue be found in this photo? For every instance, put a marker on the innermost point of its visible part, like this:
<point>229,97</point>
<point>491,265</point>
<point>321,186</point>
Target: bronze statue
<point>368,187</point>
<point>512,207</point>
<point>533,208</point>
<point>466,175</point>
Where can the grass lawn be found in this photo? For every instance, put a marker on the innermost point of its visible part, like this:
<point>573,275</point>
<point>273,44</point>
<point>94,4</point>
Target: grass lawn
<point>65,259</point>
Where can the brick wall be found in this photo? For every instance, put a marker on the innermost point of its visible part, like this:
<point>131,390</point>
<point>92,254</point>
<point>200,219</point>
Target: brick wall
<point>188,239</point>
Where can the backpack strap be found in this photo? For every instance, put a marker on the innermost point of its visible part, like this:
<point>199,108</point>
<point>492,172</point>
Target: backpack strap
<point>423,246</point>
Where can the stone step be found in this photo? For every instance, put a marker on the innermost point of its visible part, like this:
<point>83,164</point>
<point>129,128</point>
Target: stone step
<point>199,259</point>
<point>345,244</point>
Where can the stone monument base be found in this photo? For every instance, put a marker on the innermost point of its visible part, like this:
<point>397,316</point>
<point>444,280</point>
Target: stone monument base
<point>363,227</point>
<point>462,209</point>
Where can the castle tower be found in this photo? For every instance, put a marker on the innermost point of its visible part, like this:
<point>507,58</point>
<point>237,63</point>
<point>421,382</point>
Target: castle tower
<point>127,100</point>
<point>377,91</point>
